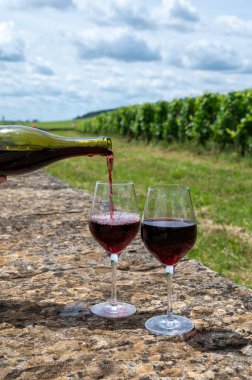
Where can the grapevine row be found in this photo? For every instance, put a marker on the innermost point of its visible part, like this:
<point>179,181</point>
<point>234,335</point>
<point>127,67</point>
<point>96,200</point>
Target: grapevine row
<point>224,120</point>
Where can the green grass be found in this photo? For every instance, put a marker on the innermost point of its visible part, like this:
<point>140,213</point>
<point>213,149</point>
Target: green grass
<point>221,189</point>
<point>56,125</point>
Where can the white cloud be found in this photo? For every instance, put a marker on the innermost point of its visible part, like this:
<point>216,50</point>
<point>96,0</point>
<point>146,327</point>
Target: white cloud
<point>133,13</point>
<point>179,9</point>
<point>11,47</point>
<point>247,68</point>
<point>177,14</point>
<point>207,55</point>
<point>26,95</point>
<point>122,46</point>
<point>235,25</point>
<point>22,4</point>
<point>40,66</point>
<point>140,14</point>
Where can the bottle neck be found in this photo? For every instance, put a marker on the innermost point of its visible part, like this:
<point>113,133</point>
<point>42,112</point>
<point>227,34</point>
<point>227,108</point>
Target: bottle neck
<point>93,146</point>
<point>88,141</point>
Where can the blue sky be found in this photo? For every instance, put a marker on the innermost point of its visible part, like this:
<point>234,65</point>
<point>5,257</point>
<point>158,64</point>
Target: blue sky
<point>63,58</point>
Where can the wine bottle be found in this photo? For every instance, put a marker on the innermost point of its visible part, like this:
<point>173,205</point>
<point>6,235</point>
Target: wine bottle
<point>24,149</point>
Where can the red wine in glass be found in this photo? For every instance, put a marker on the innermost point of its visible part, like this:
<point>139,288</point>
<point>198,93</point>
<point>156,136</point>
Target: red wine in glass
<point>114,234</point>
<point>168,239</point>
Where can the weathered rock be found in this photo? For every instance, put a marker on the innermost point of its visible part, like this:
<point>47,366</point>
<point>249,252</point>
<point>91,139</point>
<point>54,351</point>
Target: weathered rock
<point>49,261</point>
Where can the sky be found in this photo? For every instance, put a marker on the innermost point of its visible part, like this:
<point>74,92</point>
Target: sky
<point>63,58</point>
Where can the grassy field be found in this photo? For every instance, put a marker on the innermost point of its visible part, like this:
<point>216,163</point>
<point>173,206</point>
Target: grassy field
<point>221,188</point>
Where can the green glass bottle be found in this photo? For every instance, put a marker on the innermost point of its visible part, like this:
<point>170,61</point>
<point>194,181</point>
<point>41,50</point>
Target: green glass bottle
<point>24,149</point>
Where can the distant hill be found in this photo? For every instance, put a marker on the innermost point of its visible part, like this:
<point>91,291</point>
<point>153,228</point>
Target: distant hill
<point>95,113</point>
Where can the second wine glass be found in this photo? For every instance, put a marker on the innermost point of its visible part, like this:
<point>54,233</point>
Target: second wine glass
<point>114,221</point>
<point>169,231</point>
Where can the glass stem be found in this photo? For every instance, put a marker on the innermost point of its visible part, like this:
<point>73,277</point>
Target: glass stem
<point>114,261</point>
<point>169,274</point>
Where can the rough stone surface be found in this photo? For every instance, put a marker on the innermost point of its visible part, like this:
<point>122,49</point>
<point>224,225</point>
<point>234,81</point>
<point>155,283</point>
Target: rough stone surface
<point>49,261</point>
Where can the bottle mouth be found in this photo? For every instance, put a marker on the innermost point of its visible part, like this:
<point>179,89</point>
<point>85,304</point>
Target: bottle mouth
<point>109,143</point>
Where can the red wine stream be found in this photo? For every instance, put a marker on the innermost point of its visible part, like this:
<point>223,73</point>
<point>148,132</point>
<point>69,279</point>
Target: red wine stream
<point>110,162</point>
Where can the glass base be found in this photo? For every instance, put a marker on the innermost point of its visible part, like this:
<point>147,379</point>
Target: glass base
<point>74,310</point>
<point>162,326</point>
<point>107,310</point>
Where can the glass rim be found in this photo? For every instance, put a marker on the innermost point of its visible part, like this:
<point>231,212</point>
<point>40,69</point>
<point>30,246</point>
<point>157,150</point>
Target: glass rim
<point>114,183</point>
<point>167,187</point>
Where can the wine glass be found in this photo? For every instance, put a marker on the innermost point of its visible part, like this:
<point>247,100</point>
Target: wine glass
<point>169,231</point>
<point>114,221</point>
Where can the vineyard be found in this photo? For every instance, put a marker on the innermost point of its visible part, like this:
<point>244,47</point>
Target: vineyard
<point>220,120</point>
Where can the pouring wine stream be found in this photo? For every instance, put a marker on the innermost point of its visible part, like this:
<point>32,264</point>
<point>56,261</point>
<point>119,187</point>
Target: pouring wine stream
<point>110,163</point>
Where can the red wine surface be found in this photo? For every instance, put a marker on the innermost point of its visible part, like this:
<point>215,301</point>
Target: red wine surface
<point>168,239</point>
<point>19,162</point>
<point>114,234</point>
